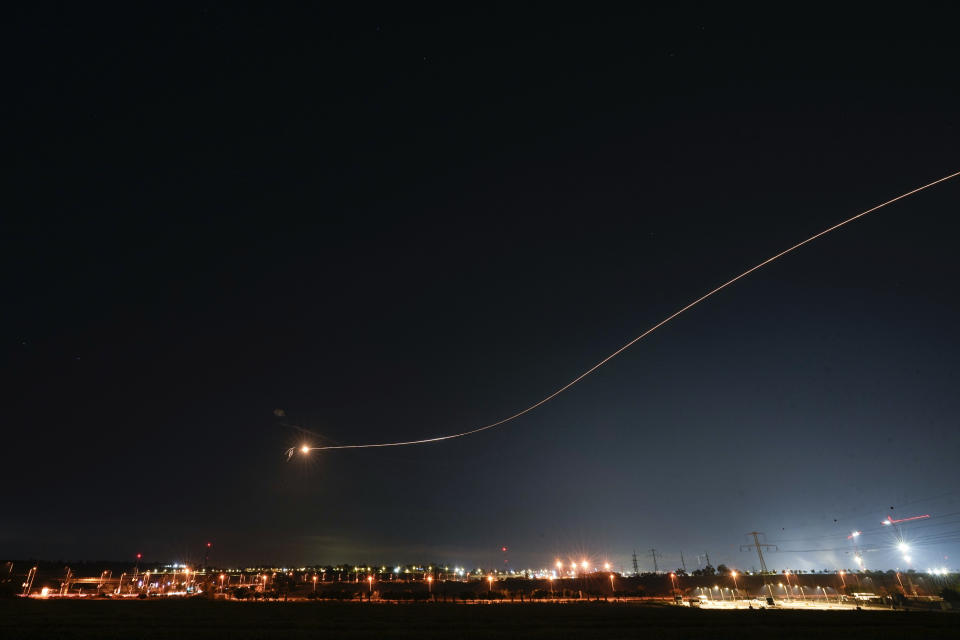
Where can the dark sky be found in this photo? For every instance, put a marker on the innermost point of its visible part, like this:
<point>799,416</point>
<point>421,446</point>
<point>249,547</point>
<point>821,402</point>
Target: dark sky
<point>399,226</point>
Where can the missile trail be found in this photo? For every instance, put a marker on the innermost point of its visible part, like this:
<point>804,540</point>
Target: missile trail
<point>306,449</point>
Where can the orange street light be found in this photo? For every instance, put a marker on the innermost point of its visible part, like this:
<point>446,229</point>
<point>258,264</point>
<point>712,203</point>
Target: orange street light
<point>370,583</point>
<point>490,582</point>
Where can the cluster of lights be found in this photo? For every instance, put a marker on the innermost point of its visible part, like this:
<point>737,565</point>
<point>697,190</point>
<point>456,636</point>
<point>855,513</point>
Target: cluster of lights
<point>905,550</point>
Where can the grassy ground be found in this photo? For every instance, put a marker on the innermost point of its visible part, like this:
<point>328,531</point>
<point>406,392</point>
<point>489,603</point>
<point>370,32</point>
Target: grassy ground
<point>185,619</point>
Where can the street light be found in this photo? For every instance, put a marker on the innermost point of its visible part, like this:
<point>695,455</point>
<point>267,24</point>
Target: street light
<point>611,583</point>
<point>490,582</point>
<point>314,583</point>
<point>673,581</point>
<point>733,574</point>
<point>370,582</point>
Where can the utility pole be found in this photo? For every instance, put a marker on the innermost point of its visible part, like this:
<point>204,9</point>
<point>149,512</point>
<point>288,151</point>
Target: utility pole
<point>708,558</point>
<point>655,555</point>
<point>65,587</point>
<point>636,568</point>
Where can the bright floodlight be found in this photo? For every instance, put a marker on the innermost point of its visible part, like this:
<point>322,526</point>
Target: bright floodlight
<point>855,534</point>
<point>733,574</point>
<point>904,547</point>
<point>584,564</point>
<point>304,449</point>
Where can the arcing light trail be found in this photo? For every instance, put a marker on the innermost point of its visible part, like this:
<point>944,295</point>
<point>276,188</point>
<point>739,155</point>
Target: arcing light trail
<point>305,449</point>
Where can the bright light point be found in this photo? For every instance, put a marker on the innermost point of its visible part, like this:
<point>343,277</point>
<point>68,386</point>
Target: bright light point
<point>584,564</point>
<point>906,559</point>
<point>733,574</point>
<point>606,565</point>
<point>855,534</point>
<point>903,547</point>
<point>304,449</point>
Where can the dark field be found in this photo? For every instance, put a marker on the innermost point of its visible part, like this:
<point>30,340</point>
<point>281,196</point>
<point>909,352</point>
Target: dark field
<point>182,620</point>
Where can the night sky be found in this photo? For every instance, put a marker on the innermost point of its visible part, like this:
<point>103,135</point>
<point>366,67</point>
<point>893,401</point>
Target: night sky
<point>399,226</point>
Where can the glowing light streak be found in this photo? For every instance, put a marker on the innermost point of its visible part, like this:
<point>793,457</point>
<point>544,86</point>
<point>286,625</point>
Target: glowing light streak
<point>292,451</point>
<point>890,520</point>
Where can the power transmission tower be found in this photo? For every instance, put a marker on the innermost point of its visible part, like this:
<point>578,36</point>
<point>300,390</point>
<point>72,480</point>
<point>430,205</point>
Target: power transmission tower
<point>636,568</point>
<point>655,555</point>
<point>759,547</point>
<point>682,563</point>
<point>763,565</point>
